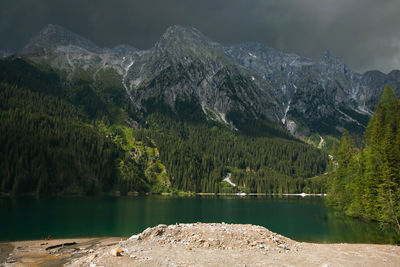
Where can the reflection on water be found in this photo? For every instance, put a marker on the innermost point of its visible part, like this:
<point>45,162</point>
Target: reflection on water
<point>302,219</point>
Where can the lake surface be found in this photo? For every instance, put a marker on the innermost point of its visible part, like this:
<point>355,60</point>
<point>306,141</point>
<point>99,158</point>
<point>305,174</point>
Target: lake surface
<point>302,219</point>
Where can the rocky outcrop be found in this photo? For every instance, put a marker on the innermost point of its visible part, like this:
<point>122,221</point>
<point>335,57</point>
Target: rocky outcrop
<point>221,244</point>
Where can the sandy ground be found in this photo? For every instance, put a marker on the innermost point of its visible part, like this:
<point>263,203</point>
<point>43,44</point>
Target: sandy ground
<point>196,244</point>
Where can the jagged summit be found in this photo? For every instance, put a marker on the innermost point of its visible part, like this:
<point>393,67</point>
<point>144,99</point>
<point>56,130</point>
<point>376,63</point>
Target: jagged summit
<point>185,41</point>
<point>52,36</point>
<point>251,80</point>
<point>332,62</point>
<point>181,33</point>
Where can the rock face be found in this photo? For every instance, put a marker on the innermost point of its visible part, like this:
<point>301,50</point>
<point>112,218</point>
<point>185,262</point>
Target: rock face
<point>229,84</point>
<point>324,95</point>
<point>186,66</point>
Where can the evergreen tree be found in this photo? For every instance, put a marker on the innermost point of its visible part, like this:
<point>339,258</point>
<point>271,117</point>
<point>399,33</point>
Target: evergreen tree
<point>367,183</point>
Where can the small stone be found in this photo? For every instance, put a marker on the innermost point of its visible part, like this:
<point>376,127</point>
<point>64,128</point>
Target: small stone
<point>206,245</point>
<point>159,232</point>
<point>92,257</point>
<point>283,246</point>
<point>135,237</point>
<point>188,248</point>
<point>116,252</point>
<point>148,230</point>
<point>133,256</point>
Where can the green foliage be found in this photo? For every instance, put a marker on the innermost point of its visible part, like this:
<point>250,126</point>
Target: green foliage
<point>196,155</point>
<point>73,140</point>
<point>366,183</point>
<point>84,137</point>
<point>47,146</point>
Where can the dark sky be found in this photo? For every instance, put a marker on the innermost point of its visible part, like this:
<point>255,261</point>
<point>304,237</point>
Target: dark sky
<point>364,33</point>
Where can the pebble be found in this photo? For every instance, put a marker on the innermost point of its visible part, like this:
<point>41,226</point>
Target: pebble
<point>92,257</point>
<point>135,237</point>
<point>116,252</point>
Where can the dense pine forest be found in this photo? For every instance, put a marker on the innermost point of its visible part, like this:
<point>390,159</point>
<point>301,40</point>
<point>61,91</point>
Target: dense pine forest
<point>198,155</point>
<point>366,183</point>
<point>59,137</point>
<point>52,142</point>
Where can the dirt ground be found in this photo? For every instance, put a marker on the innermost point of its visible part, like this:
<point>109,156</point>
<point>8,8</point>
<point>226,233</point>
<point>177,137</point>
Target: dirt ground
<point>197,244</point>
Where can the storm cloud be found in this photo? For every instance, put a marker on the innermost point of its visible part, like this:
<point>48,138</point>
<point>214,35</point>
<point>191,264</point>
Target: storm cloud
<point>364,33</point>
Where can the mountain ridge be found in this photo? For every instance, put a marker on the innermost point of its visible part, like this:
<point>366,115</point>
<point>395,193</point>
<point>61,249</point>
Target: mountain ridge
<point>251,80</point>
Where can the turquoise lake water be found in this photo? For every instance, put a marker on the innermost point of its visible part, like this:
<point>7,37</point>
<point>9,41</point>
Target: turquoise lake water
<point>302,219</point>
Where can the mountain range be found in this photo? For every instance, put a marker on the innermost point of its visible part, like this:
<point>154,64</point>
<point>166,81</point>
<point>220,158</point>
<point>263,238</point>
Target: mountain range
<point>83,119</point>
<point>230,84</point>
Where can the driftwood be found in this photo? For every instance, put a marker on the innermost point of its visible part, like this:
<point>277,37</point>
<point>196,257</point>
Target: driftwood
<point>61,245</point>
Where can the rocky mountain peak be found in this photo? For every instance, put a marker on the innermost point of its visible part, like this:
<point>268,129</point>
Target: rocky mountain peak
<point>53,36</point>
<point>185,41</point>
<point>181,33</point>
<point>332,63</point>
<point>394,74</point>
<point>251,80</point>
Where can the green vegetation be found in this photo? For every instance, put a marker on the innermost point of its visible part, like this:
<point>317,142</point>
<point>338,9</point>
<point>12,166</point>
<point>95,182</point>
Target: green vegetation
<point>68,140</point>
<point>79,137</point>
<point>47,147</point>
<point>366,183</point>
<point>198,155</point>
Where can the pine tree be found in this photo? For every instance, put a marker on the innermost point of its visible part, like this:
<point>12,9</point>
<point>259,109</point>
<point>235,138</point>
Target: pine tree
<point>367,184</point>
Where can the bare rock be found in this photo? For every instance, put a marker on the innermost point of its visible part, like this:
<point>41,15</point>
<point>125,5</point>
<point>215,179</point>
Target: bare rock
<point>116,252</point>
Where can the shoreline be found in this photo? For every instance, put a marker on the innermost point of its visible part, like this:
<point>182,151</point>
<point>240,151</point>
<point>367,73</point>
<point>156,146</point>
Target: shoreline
<point>183,194</point>
<point>199,244</point>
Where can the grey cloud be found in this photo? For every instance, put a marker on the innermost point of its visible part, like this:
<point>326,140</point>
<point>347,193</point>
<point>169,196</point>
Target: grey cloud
<point>364,33</point>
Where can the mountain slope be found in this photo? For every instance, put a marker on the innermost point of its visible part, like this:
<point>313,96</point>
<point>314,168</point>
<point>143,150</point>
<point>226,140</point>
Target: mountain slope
<point>49,144</point>
<point>232,85</point>
<point>65,137</point>
<point>323,96</point>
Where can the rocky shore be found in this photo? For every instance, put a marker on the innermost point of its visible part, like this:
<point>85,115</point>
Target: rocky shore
<point>198,244</point>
